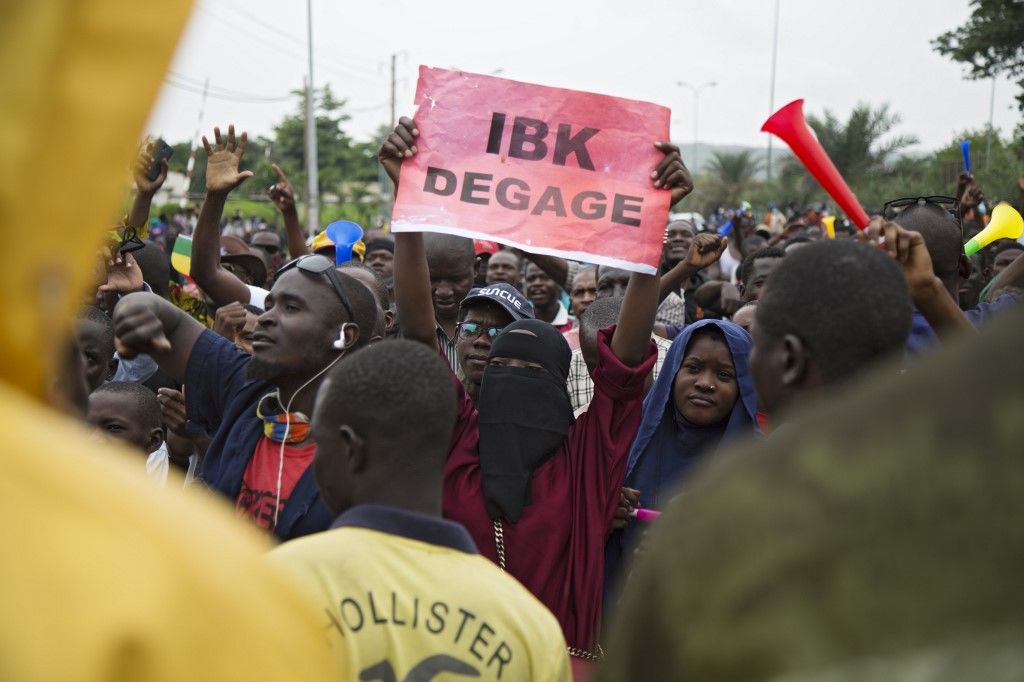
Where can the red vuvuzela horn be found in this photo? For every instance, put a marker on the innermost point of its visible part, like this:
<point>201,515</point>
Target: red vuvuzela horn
<point>789,125</point>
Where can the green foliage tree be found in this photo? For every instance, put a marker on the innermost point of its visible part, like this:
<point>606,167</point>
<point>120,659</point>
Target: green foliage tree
<point>990,43</point>
<point>875,164</point>
<point>856,147</point>
<point>861,149</point>
<point>347,170</point>
<point>178,162</point>
<point>731,176</point>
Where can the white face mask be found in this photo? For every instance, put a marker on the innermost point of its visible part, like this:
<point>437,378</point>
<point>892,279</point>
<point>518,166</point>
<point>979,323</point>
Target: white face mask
<point>158,464</point>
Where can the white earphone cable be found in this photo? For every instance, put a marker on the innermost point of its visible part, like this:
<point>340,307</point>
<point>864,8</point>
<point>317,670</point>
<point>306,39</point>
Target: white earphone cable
<point>288,419</point>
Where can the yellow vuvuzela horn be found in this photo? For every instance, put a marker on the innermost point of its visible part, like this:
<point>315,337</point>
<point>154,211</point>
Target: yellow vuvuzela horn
<point>1006,223</point>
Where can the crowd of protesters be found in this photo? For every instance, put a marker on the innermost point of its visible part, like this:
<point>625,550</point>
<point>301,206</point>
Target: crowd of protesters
<point>456,443</point>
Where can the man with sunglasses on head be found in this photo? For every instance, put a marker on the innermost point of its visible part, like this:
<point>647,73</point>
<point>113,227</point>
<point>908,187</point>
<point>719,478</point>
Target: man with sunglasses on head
<point>936,219</point>
<point>256,408</point>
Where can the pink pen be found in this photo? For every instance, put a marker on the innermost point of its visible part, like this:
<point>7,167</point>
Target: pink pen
<point>645,515</point>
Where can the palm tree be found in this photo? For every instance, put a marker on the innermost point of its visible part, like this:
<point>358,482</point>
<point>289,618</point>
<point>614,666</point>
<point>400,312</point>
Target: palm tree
<point>857,148</point>
<point>733,174</point>
<point>736,169</point>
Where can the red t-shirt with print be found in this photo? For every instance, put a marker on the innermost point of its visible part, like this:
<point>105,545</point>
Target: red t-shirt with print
<point>258,496</point>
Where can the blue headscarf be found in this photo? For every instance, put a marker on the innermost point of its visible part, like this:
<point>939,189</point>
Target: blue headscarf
<point>666,446</point>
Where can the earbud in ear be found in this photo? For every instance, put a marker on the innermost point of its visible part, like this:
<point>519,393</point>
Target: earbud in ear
<point>340,343</point>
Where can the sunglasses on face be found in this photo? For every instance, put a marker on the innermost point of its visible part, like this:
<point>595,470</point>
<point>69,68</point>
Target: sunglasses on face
<point>239,272</point>
<point>471,330</point>
<point>315,264</point>
<point>269,248</point>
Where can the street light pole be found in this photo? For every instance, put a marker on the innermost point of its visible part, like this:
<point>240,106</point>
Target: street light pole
<point>312,184</point>
<point>988,135</point>
<point>696,90</point>
<point>771,94</point>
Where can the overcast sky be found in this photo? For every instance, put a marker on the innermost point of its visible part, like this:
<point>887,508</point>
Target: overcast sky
<point>833,53</point>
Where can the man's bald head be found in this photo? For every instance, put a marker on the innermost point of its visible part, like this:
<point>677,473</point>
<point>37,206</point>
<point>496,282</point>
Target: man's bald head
<point>449,246</point>
<point>941,232</point>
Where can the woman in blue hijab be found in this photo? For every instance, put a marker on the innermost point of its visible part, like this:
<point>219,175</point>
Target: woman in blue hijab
<point>704,393</point>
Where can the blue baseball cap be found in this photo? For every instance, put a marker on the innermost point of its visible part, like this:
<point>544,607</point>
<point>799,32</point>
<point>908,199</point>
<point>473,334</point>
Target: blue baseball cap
<point>505,295</point>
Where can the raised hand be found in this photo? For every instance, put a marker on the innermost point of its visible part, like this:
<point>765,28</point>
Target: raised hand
<point>141,168</point>
<point>400,145</point>
<point>926,289</point>
<point>222,161</point>
<point>282,193</point>
<point>962,181</point>
<point>911,253</point>
<point>137,330</point>
<point>705,250</point>
<point>672,173</point>
<point>172,406</point>
<point>229,320</point>
<point>970,194</point>
<point>122,273</point>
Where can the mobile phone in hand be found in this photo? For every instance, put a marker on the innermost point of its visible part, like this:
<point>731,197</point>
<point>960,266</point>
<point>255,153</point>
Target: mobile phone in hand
<point>161,151</point>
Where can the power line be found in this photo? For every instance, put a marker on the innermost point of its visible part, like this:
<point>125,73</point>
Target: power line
<point>196,83</point>
<point>252,99</point>
<point>262,39</point>
<point>228,94</point>
<point>363,110</point>
<point>277,31</point>
<point>339,69</point>
<point>191,84</point>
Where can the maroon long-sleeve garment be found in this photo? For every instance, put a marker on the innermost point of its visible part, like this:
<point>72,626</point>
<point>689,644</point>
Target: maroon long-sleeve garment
<point>556,549</point>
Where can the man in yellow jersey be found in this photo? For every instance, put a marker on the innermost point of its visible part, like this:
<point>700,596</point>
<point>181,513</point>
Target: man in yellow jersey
<point>404,593</point>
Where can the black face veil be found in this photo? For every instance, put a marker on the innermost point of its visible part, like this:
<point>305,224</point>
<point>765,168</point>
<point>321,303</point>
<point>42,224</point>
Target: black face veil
<point>524,413</point>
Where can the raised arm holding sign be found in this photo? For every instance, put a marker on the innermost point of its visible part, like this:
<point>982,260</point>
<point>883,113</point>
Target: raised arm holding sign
<point>547,530</point>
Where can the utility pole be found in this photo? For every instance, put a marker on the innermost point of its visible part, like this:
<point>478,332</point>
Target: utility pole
<point>195,143</point>
<point>312,179</point>
<point>696,112</point>
<point>991,130</point>
<point>382,178</point>
<point>771,96</point>
<point>393,121</point>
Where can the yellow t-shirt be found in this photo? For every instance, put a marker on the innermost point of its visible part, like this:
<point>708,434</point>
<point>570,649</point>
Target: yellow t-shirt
<point>104,577</point>
<point>406,597</point>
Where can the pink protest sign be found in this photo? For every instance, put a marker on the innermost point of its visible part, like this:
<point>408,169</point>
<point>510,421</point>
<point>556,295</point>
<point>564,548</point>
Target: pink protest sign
<point>543,169</point>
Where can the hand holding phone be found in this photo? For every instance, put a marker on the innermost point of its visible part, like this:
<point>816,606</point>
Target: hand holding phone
<point>149,165</point>
<point>161,152</point>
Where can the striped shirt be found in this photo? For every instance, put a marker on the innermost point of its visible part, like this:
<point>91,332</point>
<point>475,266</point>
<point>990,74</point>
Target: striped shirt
<point>581,386</point>
<point>447,347</point>
<point>672,310</point>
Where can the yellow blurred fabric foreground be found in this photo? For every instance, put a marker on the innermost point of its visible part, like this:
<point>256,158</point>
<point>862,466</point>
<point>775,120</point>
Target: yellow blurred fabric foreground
<point>78,82</point>
<point>104,577</point>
